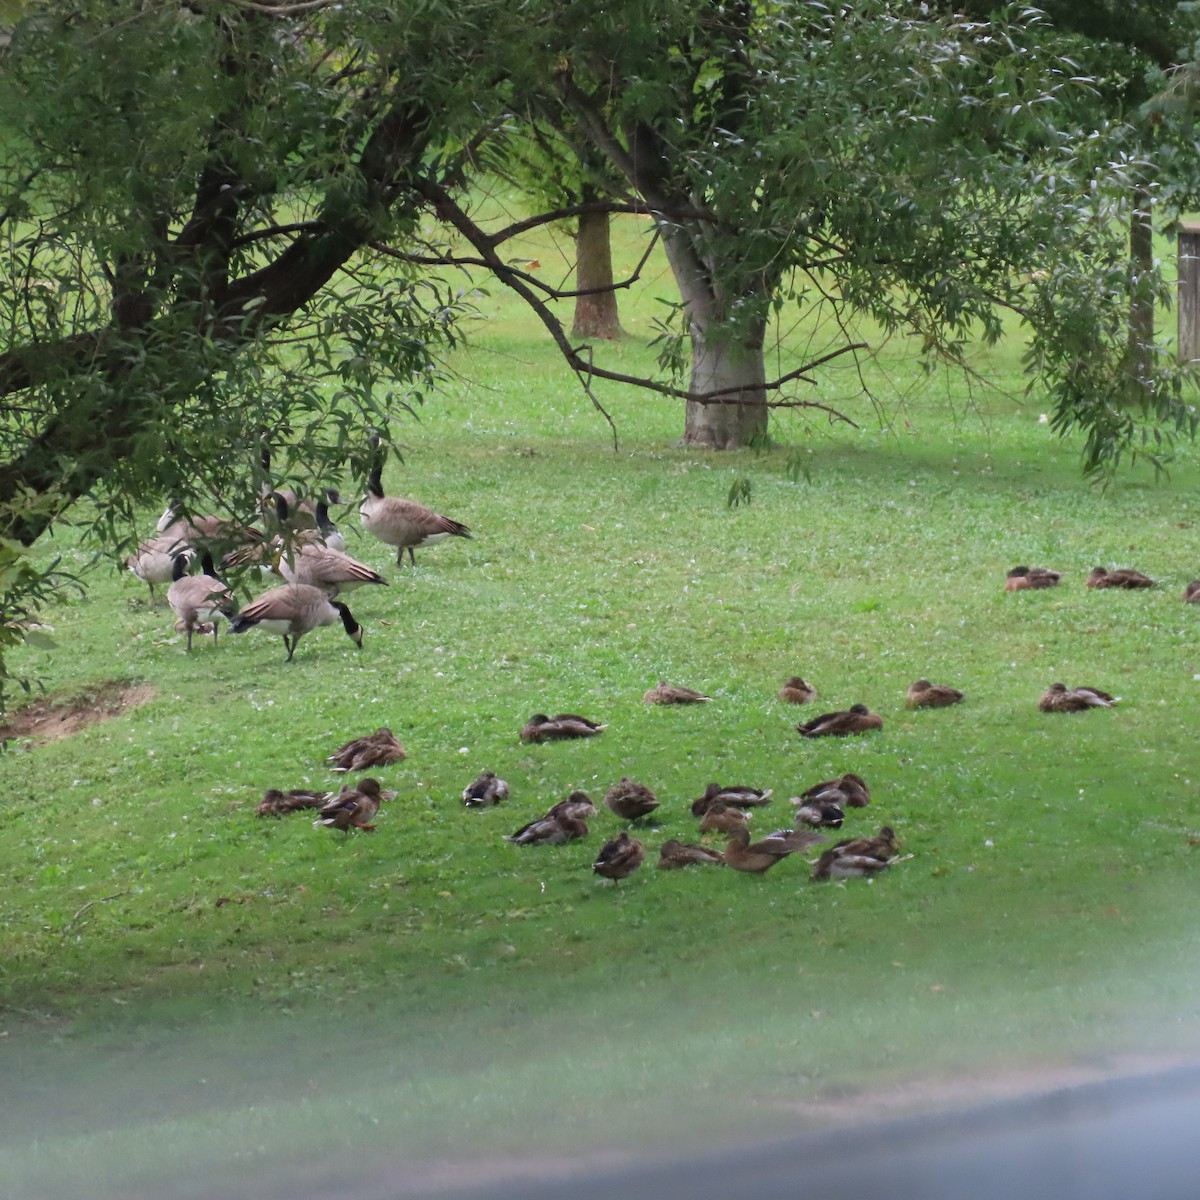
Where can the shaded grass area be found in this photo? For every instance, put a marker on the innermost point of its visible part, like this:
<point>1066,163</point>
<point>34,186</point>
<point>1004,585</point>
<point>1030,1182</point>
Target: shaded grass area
<point>243,986</point>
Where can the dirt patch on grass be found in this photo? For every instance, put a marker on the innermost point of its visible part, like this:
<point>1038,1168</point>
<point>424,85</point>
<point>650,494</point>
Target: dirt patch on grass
<point>61,714</point>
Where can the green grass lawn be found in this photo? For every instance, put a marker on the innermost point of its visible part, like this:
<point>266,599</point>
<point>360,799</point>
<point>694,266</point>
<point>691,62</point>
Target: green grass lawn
<point>431,989</point>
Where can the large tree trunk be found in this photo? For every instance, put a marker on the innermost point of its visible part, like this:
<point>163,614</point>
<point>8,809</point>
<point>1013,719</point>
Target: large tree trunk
<point>736,372</point>
<point>596,313</point>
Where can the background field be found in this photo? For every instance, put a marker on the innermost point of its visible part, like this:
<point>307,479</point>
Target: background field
<point>433,992</point>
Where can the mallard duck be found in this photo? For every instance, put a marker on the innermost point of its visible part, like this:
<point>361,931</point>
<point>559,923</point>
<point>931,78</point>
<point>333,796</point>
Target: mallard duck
<point>672,855</point>
<point>735,795</point>
<point>796,691</point>
<point>819,814</point>
<point>1191,593</point>
<point>404,524</point>
<point>1060,698</point>
<point>619,858</point>
<point>199,599</point>
<point>723,818</point>
<point>275,803</point>
<point>850,791</point>
<point>541,728</point>
<point>1124,577</point>
<point>378,749</point>
<point>667,693</point>
<point>1020,578</point>
<point>549,830</point>
<point>486,790</point>
<point>924,694</point>
<point>353,807</point>
<point>857,719</point>
<point>322,567</point>
<point>743,855</point>
<point>857,857</point>
<point>577,805</point>
<point>630,800</point>
<point>294,610</point>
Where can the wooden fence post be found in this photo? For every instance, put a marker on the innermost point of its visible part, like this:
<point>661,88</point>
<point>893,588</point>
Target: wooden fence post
<point>1188,270</point>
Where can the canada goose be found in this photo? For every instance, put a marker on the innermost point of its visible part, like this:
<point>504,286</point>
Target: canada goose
<point>857,719</point>
<point>619,858</point>
<point>217,535</point>
<point>330,570</point>
<point>666,693</point>
<point>1021,578</point>
<point>329,532</point>
<point>858,857</point>
<point>630,800</point>
<point>486,790</point>
<point>404,524</point>
<point>734,795</point>
<point>1125,577</point>
<point>541,728</point>
<point>355,806</point>
<point>796,691</point>
<point>199,599</point>
<point>154,560</point>
<point>673,855</point>
<point>378,749</point>
<point>294,610</point>
<point>742,855</point>
<point>923,694</point>
<point>1059,698</point>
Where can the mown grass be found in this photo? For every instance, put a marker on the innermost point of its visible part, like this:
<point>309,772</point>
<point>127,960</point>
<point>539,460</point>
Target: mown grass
<point>433,990</point>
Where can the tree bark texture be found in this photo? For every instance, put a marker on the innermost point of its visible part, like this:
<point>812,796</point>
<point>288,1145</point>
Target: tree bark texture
<point>596,314</point>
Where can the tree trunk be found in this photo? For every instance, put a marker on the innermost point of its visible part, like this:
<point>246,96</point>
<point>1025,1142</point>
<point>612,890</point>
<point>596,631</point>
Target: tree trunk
<point>737,372</point>
<point>1141,269</point>
<point>596,313</point>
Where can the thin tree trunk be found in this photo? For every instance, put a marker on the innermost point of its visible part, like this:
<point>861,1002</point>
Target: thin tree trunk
<point>1141,266</point>
<point>596,314</point>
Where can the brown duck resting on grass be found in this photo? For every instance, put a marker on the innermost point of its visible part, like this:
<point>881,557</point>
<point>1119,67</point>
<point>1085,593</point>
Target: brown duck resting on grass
<point>578,805</point>
<point>855,858</point>
<point>796,691</point>
<point>630,800</point>
<point>923,694</point>
<point>378,749</point>
<point>1060,698</point>
<point>755,857</point>
<point>1191,593</point>
<point>541,728</point>
<point>667,693</point>
<point>620,857</point>
<point>850,791</point>
<point>674,855</point>
<point>856,719</point>
<point>277,803</point>
<point>354,807</point>
<point>723,818</point>
<point>735,795</point>
<point>1021,578</point>
<point>551,830</point>
<point>818,814</point>
<point>1121,578</point>
<point>485,791</point>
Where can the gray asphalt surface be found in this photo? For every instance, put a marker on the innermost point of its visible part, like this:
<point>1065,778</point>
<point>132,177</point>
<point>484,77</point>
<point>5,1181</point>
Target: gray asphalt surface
<point>1124,1139</point>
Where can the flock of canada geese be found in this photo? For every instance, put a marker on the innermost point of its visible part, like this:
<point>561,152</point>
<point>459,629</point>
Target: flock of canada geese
<point>305,548</point>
